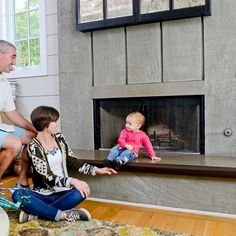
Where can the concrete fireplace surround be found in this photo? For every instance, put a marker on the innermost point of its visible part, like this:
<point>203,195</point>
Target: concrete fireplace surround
<point>175,58</point>
<point>193,56</point>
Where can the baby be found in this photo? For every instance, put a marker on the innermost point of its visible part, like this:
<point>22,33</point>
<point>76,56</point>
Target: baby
<point>130,140</point>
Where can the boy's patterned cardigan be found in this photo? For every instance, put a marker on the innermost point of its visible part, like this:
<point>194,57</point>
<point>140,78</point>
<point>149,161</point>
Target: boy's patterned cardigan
<point>44,179</point>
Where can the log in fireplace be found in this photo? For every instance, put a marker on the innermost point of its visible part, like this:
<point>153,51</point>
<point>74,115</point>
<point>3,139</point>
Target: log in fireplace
<point>173,124</point>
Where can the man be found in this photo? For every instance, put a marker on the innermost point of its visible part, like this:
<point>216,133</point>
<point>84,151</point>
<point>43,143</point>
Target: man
<point>22,132</point>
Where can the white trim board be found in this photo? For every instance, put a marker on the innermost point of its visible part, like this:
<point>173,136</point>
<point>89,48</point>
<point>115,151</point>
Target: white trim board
<point>198,212</point>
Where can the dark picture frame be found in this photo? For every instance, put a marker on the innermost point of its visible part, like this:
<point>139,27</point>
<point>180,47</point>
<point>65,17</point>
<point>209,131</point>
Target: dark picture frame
<point>134,12</point>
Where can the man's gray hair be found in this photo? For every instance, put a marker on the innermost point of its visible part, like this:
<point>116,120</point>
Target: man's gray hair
<point>4,45</point>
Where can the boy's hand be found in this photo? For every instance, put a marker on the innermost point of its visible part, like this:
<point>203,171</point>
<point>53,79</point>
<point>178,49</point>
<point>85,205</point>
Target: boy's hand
<point>156,158</point>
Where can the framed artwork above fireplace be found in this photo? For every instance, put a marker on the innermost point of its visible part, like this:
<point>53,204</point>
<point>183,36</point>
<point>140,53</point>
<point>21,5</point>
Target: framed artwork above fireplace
<point>103,14</point>
<point>173,124</point>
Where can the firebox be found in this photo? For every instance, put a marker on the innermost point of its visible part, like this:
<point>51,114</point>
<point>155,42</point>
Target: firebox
<point>173,124</point>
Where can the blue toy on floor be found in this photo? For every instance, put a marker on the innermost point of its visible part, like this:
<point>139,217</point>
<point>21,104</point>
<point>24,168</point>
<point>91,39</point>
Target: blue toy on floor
<point>5,203</point>
<point>8,204</point>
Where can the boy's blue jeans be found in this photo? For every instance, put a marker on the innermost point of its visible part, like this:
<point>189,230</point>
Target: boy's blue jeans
<point>47,206</point>
<point>121,154</point>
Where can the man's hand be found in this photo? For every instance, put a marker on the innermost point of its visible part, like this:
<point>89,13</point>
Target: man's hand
<point>81,186</point>
<point>105,170</point>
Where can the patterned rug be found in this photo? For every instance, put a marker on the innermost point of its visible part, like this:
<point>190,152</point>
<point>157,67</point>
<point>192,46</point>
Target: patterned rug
<point>80,228</point>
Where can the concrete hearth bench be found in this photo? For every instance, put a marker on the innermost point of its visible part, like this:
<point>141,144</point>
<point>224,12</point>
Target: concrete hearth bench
<point>171,163</point>
<point>181,181</point>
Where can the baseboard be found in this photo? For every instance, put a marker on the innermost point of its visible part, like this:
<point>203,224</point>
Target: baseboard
<point>198,212</point>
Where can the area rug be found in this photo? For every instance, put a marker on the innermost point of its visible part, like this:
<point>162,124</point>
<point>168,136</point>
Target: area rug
<point>80,228</point>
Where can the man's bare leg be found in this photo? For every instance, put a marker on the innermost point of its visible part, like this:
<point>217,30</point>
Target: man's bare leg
<point>10,148</point>
<point>6,158</point>
<point>23,177</point>
<point>25,165</point>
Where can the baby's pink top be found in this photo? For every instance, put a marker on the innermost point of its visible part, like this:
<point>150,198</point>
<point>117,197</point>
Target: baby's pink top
<point>137,139</point>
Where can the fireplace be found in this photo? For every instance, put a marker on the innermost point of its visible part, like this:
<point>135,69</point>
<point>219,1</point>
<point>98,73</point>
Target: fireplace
<point>174,124</point>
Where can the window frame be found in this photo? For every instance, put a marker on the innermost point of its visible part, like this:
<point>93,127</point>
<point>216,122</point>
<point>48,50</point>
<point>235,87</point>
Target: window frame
<point>139,18</point>
<point>7,33</point>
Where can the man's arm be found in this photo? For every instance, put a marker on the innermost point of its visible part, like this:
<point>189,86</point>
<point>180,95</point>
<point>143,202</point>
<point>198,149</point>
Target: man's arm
<point>16,118</point>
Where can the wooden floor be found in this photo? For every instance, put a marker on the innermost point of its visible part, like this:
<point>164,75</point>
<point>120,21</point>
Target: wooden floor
<point>198,225</point>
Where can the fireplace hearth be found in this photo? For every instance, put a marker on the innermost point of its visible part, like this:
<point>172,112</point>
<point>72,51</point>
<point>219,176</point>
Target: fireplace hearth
<point>174,124</point>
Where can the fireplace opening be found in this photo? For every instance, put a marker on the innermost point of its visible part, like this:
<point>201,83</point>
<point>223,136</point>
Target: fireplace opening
<point>174,124</point>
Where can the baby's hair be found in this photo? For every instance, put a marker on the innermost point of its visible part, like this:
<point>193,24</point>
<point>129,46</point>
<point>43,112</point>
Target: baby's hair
<point>138,116</point>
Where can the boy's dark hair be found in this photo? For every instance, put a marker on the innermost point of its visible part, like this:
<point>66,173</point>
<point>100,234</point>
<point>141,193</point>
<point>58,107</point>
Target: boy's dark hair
<point>42,116</point>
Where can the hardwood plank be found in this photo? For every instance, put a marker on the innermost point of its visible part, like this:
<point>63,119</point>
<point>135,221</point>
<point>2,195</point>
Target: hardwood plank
<point>195,224</point>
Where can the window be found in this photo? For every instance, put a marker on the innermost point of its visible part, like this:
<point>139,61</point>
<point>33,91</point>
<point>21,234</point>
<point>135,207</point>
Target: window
<point>102,14</point>
<point>23,24</point>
